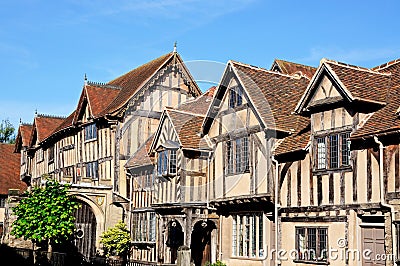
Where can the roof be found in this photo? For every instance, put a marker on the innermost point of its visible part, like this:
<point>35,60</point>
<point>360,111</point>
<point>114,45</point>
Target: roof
<point>141,157</point>
<point>385,119</point>
<point>200,104</point>
<point>295,142</point>
<point>188,128</point>
<point>362,83</point>
<point>291,68</point>
<point>23,136</point>
<point>9,169</point>
<point>99,97</point>
<point>132,81</point>
<point>44,125</point>
<point>273,94</point>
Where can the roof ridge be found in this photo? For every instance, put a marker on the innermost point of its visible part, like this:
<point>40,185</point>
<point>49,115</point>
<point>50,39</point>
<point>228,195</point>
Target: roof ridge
<point>325,60</point>
<point>103,85</point>
<point>25,124</point>
<point>268,71</point>
<point>387,64</point>
<point>291,62</point>
<point>50,116</point>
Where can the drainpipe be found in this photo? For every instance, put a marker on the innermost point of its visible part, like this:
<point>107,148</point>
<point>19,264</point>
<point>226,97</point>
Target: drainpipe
<point>382,193</point>
<point>277,261</point>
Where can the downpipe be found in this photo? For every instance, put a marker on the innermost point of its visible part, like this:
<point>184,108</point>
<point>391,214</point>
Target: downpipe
<point>276,206</point>
<point>382,197</point>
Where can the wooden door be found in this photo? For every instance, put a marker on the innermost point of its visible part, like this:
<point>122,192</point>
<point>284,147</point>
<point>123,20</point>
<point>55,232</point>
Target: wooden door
<point>85,237</point>
<point>373,239</point>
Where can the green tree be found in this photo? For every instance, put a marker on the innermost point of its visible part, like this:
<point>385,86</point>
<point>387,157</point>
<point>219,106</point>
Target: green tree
<point>7,132</point>
<point>46,214</point>
<point>116,240</point>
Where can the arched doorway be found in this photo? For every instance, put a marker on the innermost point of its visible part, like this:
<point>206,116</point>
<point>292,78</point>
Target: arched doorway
<point>175,239</point>
<point>201,242</point>
<point>85,236</point>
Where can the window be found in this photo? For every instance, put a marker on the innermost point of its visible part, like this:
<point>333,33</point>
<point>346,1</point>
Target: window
<point>332,151</point>
<point>3,201</point>
<point>92,170</point>
<point>235,97</point>
<point>247,235</point>
<point>237,156</point>
<point>144,227</point>
<point>166,162</point>
<point>39,155</point>
<point>312,243</point>
<point>50,154</point>
<point>90,132</point>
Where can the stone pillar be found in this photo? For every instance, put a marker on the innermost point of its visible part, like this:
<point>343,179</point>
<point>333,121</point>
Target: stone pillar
<point>183,256</point>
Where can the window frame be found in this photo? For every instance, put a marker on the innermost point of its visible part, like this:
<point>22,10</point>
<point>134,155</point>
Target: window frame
<point>237,159</point>
<point>90,132</point>
<point>144,227</point>
<point>248,235</point>
<point>167,162</point>
<point>235,97</point>
<point>92,168</point>
<point>332,151</point>
<point>319,258</point>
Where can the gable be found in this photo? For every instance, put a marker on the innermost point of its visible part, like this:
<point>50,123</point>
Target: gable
<point>219,118</point>
<point>164,133</point>
<point>325,93</point>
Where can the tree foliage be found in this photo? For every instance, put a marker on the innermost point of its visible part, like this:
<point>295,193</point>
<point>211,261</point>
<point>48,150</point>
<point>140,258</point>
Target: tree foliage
<point>7,132</point>
<point>45,213</point>
<point>116,240</point>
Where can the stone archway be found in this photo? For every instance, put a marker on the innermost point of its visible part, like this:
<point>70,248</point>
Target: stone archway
<point>201,242</point>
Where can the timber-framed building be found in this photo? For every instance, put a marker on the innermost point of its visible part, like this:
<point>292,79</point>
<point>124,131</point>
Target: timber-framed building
<point>295,158</point>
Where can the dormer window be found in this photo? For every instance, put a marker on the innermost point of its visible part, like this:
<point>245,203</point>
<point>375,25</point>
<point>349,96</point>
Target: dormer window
<point>332,151</point>
<point>235,97</point>
<point>166,162</point>
<point>90,132</point>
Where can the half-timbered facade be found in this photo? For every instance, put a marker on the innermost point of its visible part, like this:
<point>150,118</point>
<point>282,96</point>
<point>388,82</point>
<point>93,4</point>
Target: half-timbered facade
<point>180,200</point>
<point>90,147</point>
<point>332,195</point>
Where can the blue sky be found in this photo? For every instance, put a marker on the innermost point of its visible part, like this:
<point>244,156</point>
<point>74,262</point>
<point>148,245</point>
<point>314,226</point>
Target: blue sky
<point>46,47</point>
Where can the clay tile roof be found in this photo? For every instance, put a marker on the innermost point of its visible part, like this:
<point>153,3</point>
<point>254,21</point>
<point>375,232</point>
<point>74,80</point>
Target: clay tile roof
<point>274,95</point>
<point>132,81</point>
<point>45,125</point>
<point>141,157</point>
<point>99,97</point>
<point>296,141</point>
<point>23,136</point>
<point>291,68</point>
<point>9,169</point>
<point>66,123</point>
<point>188,127</point>
<point>362,83</point>
<point>200,104</point>
<point>386,119</point>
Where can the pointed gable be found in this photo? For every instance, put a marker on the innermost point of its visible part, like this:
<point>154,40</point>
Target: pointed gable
<point>273,94</point>
<point>335,82</point>
<point>23,136</point>
<point>291,68</point>
<point>43,127</point>
<point>132,82</point>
